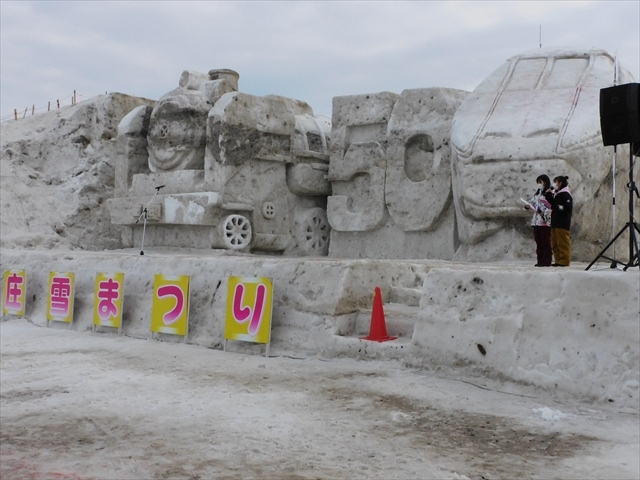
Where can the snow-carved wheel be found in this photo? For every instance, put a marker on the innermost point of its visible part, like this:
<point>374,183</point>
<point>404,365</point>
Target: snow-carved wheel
<point>268,210</point>
<point>313,232</point>
<point>235,232</point>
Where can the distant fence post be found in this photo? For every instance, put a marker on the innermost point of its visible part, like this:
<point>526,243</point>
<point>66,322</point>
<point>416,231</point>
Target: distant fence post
<point>25,112</point>
<point>74,97</point>
<point>15,113</point>
<point>58,103</point>
<point>33,110</point>
<point>48,106</point>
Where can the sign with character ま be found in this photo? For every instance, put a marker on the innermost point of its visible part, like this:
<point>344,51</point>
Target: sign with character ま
<point>107,303</point>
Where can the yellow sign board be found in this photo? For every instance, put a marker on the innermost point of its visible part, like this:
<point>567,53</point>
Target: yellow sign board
<point>15,292</point>
<point>60,297</point>
<point>107,302</point>
<point>249,309</point>
<point>170,307</point>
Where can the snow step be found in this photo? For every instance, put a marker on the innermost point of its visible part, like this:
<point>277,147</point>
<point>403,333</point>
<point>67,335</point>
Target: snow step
<point>405,295</point>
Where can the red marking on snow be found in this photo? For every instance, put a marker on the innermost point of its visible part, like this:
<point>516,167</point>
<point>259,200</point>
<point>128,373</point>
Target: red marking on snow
<point>62,475</point>
<point>30,471</point>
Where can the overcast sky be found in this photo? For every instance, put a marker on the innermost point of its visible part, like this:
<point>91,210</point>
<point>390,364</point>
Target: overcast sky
<point>311,51</point>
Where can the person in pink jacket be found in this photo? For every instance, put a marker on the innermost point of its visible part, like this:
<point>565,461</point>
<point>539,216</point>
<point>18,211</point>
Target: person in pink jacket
<point>541,221</point>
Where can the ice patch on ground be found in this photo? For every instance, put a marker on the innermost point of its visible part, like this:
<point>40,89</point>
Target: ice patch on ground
<point>548,414</point>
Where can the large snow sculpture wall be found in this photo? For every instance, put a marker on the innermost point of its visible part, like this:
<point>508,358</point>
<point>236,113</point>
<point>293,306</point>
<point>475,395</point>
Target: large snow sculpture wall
<point>390,173</point>
<point>214,167</point>
<point>428,173</point>
<point>538,113</point>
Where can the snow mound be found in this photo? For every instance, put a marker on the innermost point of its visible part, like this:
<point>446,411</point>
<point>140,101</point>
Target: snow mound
<point>57,170</point>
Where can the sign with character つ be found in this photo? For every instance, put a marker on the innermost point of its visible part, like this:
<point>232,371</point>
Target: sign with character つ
<point>107,303</point>
<point>15,292</point>
<point>61,291</point>
<point>170,307</point>
<point>249,309</point>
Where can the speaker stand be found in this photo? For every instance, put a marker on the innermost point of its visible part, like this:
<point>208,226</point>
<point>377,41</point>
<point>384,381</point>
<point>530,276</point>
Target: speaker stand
<point>632,225</point>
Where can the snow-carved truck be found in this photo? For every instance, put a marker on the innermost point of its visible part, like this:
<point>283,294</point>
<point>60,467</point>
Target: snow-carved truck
<point>210,167</point>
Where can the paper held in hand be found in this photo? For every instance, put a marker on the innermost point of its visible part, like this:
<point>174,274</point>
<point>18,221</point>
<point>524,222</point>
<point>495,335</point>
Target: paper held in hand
<point>525,202</point>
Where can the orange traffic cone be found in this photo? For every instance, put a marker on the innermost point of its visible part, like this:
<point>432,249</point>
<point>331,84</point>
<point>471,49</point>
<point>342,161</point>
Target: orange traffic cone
<point>378,328</point>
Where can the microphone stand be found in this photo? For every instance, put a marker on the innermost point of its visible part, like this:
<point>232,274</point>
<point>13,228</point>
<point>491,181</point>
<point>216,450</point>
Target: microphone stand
<point>145,214</point>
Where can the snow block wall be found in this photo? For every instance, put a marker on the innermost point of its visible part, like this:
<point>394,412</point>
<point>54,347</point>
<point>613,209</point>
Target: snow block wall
<point>574,331</point>
<point>571,330</point>
<point>312,297</point>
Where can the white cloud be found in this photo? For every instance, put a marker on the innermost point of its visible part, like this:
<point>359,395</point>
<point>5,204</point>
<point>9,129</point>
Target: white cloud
<point>308,50</point>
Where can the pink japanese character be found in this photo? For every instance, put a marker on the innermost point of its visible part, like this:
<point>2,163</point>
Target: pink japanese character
<point>13,292</point>
<point>108,292</point>
<point>60,293</point>
<point>242,314</point>
<point>172,291</point>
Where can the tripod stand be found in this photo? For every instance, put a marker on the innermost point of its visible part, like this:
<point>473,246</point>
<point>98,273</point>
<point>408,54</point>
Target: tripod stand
<point>632,225</point>
<point>145,214</point>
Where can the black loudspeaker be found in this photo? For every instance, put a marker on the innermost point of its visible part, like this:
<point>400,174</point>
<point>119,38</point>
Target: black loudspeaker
<point>620,114</point>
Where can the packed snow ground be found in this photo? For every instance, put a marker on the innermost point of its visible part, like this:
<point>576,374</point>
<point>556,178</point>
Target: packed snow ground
<point>82,405</point>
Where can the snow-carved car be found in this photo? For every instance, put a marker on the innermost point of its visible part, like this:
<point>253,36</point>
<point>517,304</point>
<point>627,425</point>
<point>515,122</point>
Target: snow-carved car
<point>210,167</point>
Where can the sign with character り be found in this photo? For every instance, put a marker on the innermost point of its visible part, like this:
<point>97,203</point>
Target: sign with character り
<point>108,299</point>
<point>249,310</point>
<point>15,292</point>
<point>60,297</point>
<point>170,307</point>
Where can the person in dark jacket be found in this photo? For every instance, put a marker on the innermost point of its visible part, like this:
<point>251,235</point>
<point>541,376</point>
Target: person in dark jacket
<point>561,209</point>
<point>541,222</point>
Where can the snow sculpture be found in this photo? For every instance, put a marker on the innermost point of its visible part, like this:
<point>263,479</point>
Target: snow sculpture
<point>390,173</point>
<point>236,171</point>
<point>537,113</point>
<point>430,173</point>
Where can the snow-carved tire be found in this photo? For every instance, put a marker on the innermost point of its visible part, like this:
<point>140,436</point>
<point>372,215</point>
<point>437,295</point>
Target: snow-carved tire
<point>313,232</point>
<point>235,232</point>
